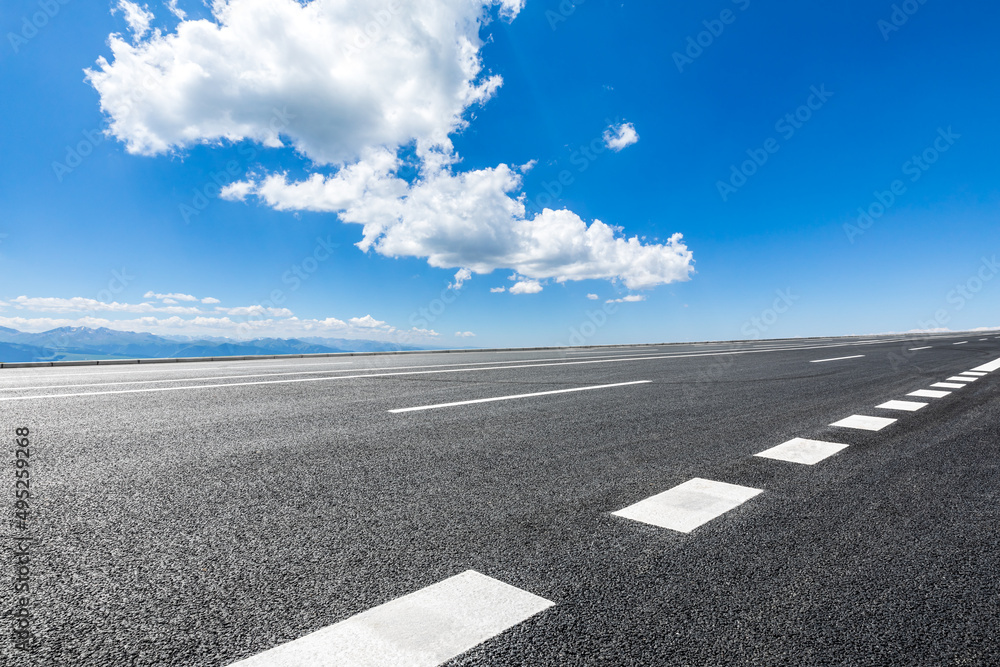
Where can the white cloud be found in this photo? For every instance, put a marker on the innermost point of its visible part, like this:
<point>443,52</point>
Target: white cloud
<point>255,311</point>
<point>474,220</point>
<point>138,18</point>
<point>368,322</point>
<point>460,278</point>
<point>526,287</point>
<point>210,300</point>
<point>465,334</point>
<point>620,136</point>
<point>78,304</point>
<point>174,296</point>
<point>352,75</point>
<point>422,332</point>
<point>497,290</point>
<point>175,10</point>
<point>593,297</point>
<point>308,75</point>
<point>631,298</point>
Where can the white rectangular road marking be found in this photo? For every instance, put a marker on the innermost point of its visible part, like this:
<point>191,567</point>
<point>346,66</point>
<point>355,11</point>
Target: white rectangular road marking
<point>508,398</point>
<point>959,378</point>
<point>988,368</point>
<point>928,393</point>
<point>864,422</point>
<point>819,361</point>
<point>688,505</point>
<point>801,450</point>
<point>914,349</point>
<point>909,406</point>
<point>977,374</point>
<point>422,629</point>
<point>948,385</point>
<point>961,342</point>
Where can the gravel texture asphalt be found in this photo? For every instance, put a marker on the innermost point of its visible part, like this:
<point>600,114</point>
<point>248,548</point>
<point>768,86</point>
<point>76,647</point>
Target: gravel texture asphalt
<point>217,510</point>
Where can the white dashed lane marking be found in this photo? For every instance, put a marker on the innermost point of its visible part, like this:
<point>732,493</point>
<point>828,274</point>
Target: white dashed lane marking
<point>801,450</point>
<point>820,361</point>
<point>928,393</point>
<point>961,342</point>
<point>422,629</point>
<point>914,349</point>
<point>988,368</point>
<point>948,385</point>
<point>959,378</point>
<point>910,406</point>
<point>509,398</point>
<point>973,373</point>
<point>688,505</point>
<point>864,422</point>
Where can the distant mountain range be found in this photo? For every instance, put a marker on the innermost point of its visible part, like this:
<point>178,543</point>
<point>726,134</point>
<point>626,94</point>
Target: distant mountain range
<point>76,343</point>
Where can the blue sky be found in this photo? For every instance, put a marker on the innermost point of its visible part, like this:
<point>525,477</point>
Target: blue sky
<point>427,165</point>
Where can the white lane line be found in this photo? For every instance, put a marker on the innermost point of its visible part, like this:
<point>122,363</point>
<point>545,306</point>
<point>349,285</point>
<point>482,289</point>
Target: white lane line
<point>423,629</point>
<point>819,361</point>
<point>928,393</point>
<point>988,368</point>
<point>909,406</point>
<point>864,422</point>
<point>914,349</point>
<point>961,342</point>
<point>508,398</point>
<point>960,378</point>
<point>948,385</point>
<point>558,362</point>
<point>688,505</point>
<point>973,373</point>
<point>801,450</point>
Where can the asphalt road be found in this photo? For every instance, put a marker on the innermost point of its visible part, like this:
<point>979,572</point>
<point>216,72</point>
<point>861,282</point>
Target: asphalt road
<point>203,513</point>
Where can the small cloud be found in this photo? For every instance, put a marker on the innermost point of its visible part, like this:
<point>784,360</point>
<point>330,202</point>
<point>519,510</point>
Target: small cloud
<point>367,322</point>
<point>620,136</point>
<point>138,18</point>
<point>173,297</point>
<point>526,287</point>
<point>527,166</point>
<point>593,297</point>
<point>497,290</point>
<point>238,191</point>
<point>209,299</point>
<point>460,277</point>
<point>465,334</point>
<point>175,10</point>
<point>631,298</point>
<point>424,332</point>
